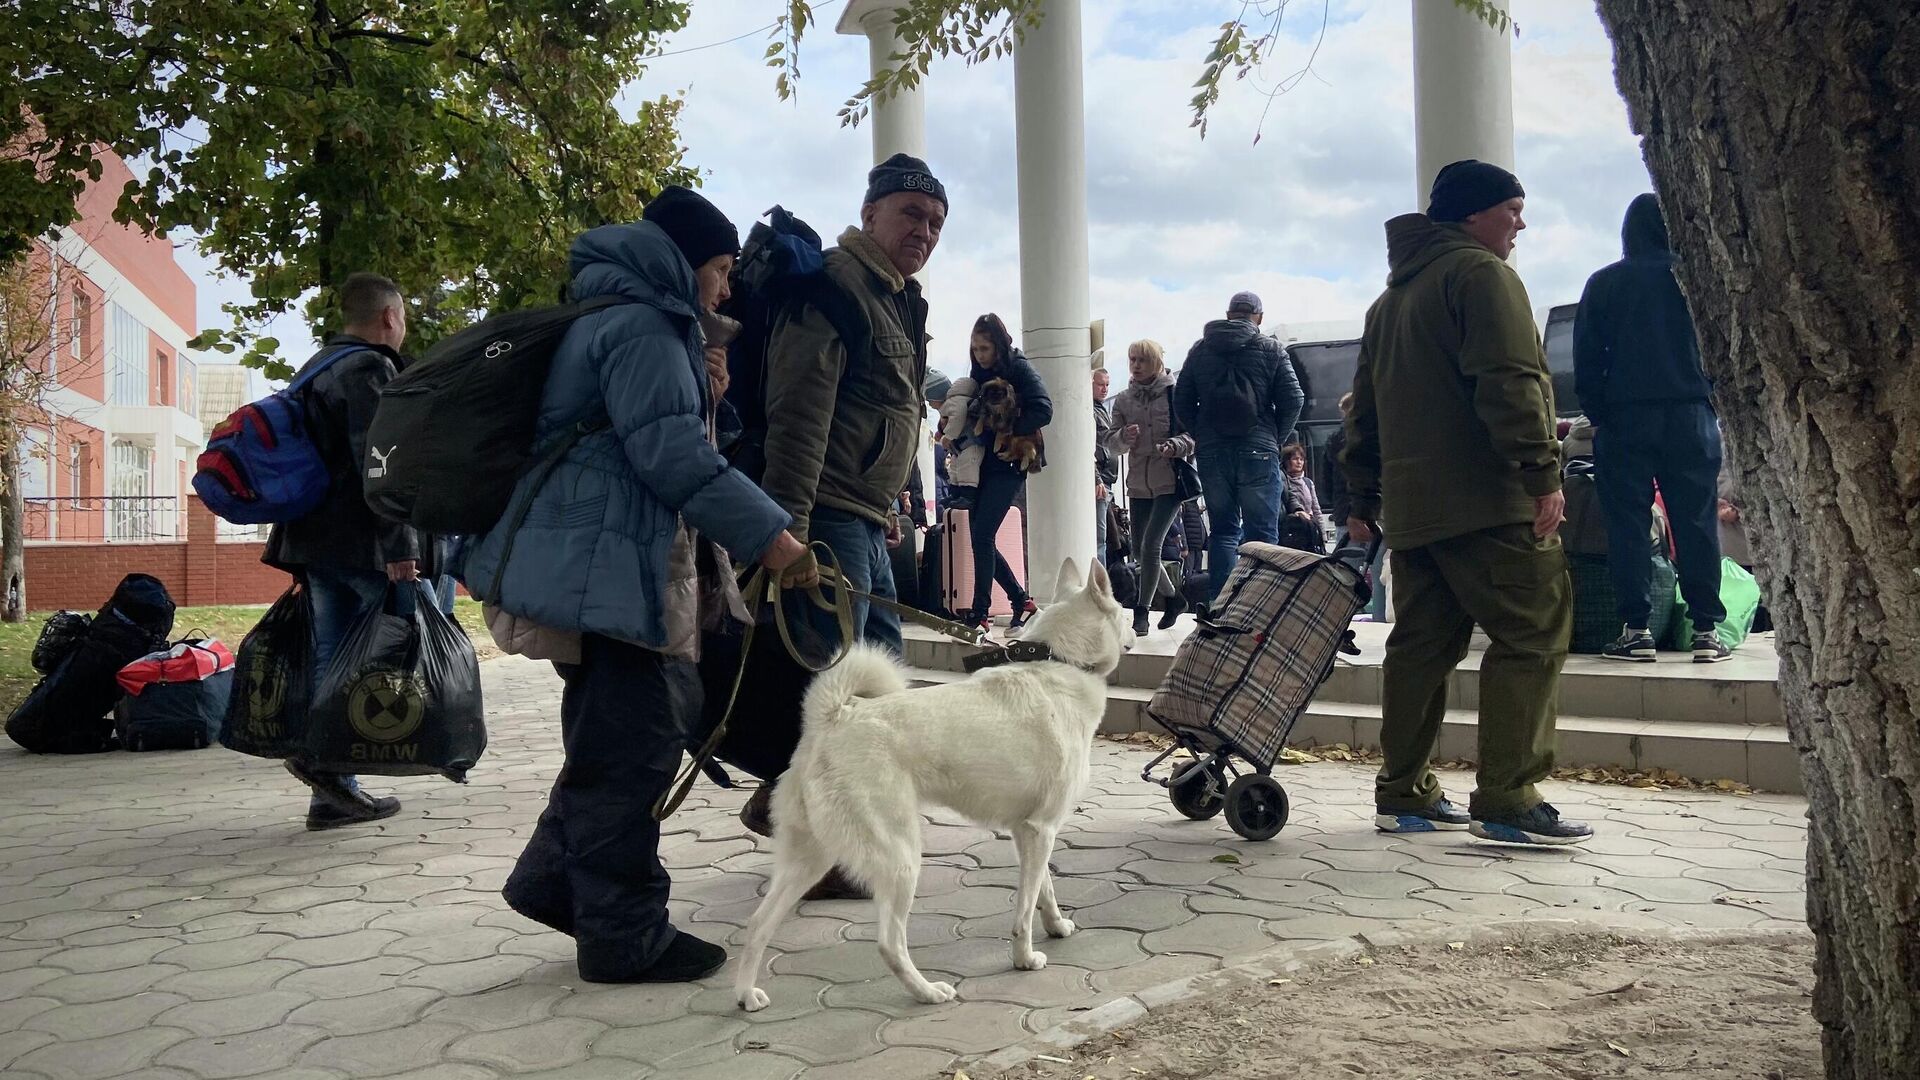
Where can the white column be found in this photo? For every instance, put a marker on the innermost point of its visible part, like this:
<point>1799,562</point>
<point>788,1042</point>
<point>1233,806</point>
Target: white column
<point>900,122</point>
<point>1051,148</point>
<point>1462,91</point>
<point>899,126</point>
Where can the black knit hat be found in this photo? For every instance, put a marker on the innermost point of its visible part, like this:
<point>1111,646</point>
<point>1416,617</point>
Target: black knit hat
<point>903,172</point>
<point>1465,188</point>
<point>696,226</point>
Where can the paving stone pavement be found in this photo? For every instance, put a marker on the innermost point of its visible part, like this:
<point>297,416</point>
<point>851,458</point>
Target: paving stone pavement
<point>165,915</point>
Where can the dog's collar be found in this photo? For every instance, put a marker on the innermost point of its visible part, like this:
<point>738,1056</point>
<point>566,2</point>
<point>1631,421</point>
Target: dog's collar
<point>1018,652</point>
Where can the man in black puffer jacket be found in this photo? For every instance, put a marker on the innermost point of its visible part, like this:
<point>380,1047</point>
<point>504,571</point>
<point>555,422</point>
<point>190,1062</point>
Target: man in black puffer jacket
<point>1636,364</point>
<point>344,554</point>
<point>1238,397</point>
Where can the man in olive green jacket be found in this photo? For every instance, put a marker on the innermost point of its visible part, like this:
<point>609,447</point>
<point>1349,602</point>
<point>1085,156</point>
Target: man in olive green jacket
<point>842,430</point>
<point>1452,429</point>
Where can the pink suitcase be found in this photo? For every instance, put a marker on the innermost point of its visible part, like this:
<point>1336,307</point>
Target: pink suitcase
<point>956,556</point>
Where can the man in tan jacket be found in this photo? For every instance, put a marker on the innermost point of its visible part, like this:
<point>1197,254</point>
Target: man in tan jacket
<point>1452,429</point>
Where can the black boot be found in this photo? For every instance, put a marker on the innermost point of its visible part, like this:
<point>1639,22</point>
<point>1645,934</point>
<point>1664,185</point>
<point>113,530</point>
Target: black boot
<point>756,815</point>
<point>1176,606</point>
<point>1140,622</point>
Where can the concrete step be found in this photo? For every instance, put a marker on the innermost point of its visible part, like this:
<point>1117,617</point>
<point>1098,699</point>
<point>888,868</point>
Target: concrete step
<point>1742,693</point>
<point>1757,755</point>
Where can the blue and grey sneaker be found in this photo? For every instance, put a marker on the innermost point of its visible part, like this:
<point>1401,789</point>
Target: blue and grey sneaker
<point>1540,825</point>
<point>1634,645</point>
<point>1442,816</point>
<point>1708,648</point>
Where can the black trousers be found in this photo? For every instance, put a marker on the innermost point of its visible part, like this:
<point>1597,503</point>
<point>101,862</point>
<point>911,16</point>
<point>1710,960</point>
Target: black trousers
<point>593,865</point>
<point>998,488</point>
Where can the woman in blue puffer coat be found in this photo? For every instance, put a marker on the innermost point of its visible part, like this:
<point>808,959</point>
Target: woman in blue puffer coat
<point>611,573</point>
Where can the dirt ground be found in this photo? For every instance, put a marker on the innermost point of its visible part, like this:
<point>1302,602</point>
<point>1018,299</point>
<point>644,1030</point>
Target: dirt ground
<point>1579,1007</point>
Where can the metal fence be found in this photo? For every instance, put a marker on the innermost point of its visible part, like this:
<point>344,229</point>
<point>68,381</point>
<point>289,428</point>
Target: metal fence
<point>103,519</point>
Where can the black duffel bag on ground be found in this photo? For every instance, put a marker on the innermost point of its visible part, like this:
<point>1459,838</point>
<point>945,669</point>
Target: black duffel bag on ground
<point>401,697</point>
<point>68,712</point>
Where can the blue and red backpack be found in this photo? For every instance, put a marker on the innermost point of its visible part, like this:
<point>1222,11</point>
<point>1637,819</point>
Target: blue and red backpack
<point>261,465</point>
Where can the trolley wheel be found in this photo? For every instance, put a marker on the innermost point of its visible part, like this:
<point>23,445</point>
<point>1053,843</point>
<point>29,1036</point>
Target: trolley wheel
<point>1257,806</point>
<point>1201,796</point>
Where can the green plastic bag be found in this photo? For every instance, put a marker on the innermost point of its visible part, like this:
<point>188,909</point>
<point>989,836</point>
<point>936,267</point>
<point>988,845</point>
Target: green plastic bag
<point>1739,594</point>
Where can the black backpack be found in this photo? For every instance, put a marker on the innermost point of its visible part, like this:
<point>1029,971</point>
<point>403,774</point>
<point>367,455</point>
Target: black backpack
<point>454,431</point>
<point>781,267</point>
<point>1230,404</point>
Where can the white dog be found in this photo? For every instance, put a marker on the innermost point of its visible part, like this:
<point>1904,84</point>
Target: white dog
<point>1006,747</point>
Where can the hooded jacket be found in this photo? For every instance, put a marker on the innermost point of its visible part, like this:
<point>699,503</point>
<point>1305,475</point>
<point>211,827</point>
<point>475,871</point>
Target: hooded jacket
<point>603,548</point>
<point>1633,339</point>
<point>1237,388</point>
<point>1452,424</point>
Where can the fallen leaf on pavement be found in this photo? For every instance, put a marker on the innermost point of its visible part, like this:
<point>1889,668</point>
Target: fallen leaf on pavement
<point>1229,857</point>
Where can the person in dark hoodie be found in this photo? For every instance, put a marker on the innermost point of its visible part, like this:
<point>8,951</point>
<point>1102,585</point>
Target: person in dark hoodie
<point>1636,364</point>
<point>1238,397</point>
<point>1001,481</point>
<point>1452,430</point>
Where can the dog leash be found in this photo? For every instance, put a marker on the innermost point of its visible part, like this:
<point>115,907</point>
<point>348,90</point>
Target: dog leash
<point>759,587</point>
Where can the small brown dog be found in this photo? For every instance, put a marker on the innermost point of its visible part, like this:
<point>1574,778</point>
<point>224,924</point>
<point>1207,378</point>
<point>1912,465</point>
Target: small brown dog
<point>999,408</point>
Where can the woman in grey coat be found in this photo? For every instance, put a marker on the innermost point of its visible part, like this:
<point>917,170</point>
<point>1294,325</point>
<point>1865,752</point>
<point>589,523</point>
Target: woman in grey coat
<point>1143,428</point>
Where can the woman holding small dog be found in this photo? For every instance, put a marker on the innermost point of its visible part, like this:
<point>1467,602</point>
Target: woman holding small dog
<point>1003,472</point>
<point>1143,428</point>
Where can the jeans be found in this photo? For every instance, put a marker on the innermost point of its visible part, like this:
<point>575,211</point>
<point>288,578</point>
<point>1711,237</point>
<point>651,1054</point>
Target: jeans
<point>860,546</point>
<point>592,867</point>
<point>1242,486</point>
<point>445,590</point>
<point>1675,444</point>
<point>1100,529</point>
<point>1151,519</point>
<point>339,598</point>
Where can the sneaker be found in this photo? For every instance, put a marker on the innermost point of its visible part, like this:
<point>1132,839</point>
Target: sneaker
<point>1140,626</point>
<point>1442,816</point>
<point>322,816</point>
<point>1634,646</point>
<point>1540,825</point>
<point>1708,648</point>
<point>1176,606</point>
<point>686,959</point>
<point>1022,611</point>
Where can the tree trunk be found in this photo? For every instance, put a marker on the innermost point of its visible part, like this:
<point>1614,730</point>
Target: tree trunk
<point>13,545</point>
<point>1782,139</point>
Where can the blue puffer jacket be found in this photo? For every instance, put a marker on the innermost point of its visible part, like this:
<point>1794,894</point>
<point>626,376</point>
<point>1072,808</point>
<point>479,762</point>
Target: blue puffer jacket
<point>591,555</point>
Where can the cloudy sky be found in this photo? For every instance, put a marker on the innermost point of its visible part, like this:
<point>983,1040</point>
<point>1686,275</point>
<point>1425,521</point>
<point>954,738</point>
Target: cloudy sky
<point>1177,224</point>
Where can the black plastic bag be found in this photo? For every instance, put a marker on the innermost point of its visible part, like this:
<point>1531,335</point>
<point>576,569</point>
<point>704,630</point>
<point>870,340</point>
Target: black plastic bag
<point>61,634</point>
<point>402,696</point>
<point>267,709</point>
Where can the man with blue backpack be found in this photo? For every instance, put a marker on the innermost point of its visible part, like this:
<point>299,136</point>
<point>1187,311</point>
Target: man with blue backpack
<point>344,553</point>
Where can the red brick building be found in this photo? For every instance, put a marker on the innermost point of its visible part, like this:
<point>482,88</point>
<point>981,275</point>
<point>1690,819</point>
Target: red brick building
<point>106,477</point>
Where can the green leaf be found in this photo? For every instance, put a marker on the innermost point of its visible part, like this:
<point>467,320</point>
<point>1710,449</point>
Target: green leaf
<point>1229,857</point>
